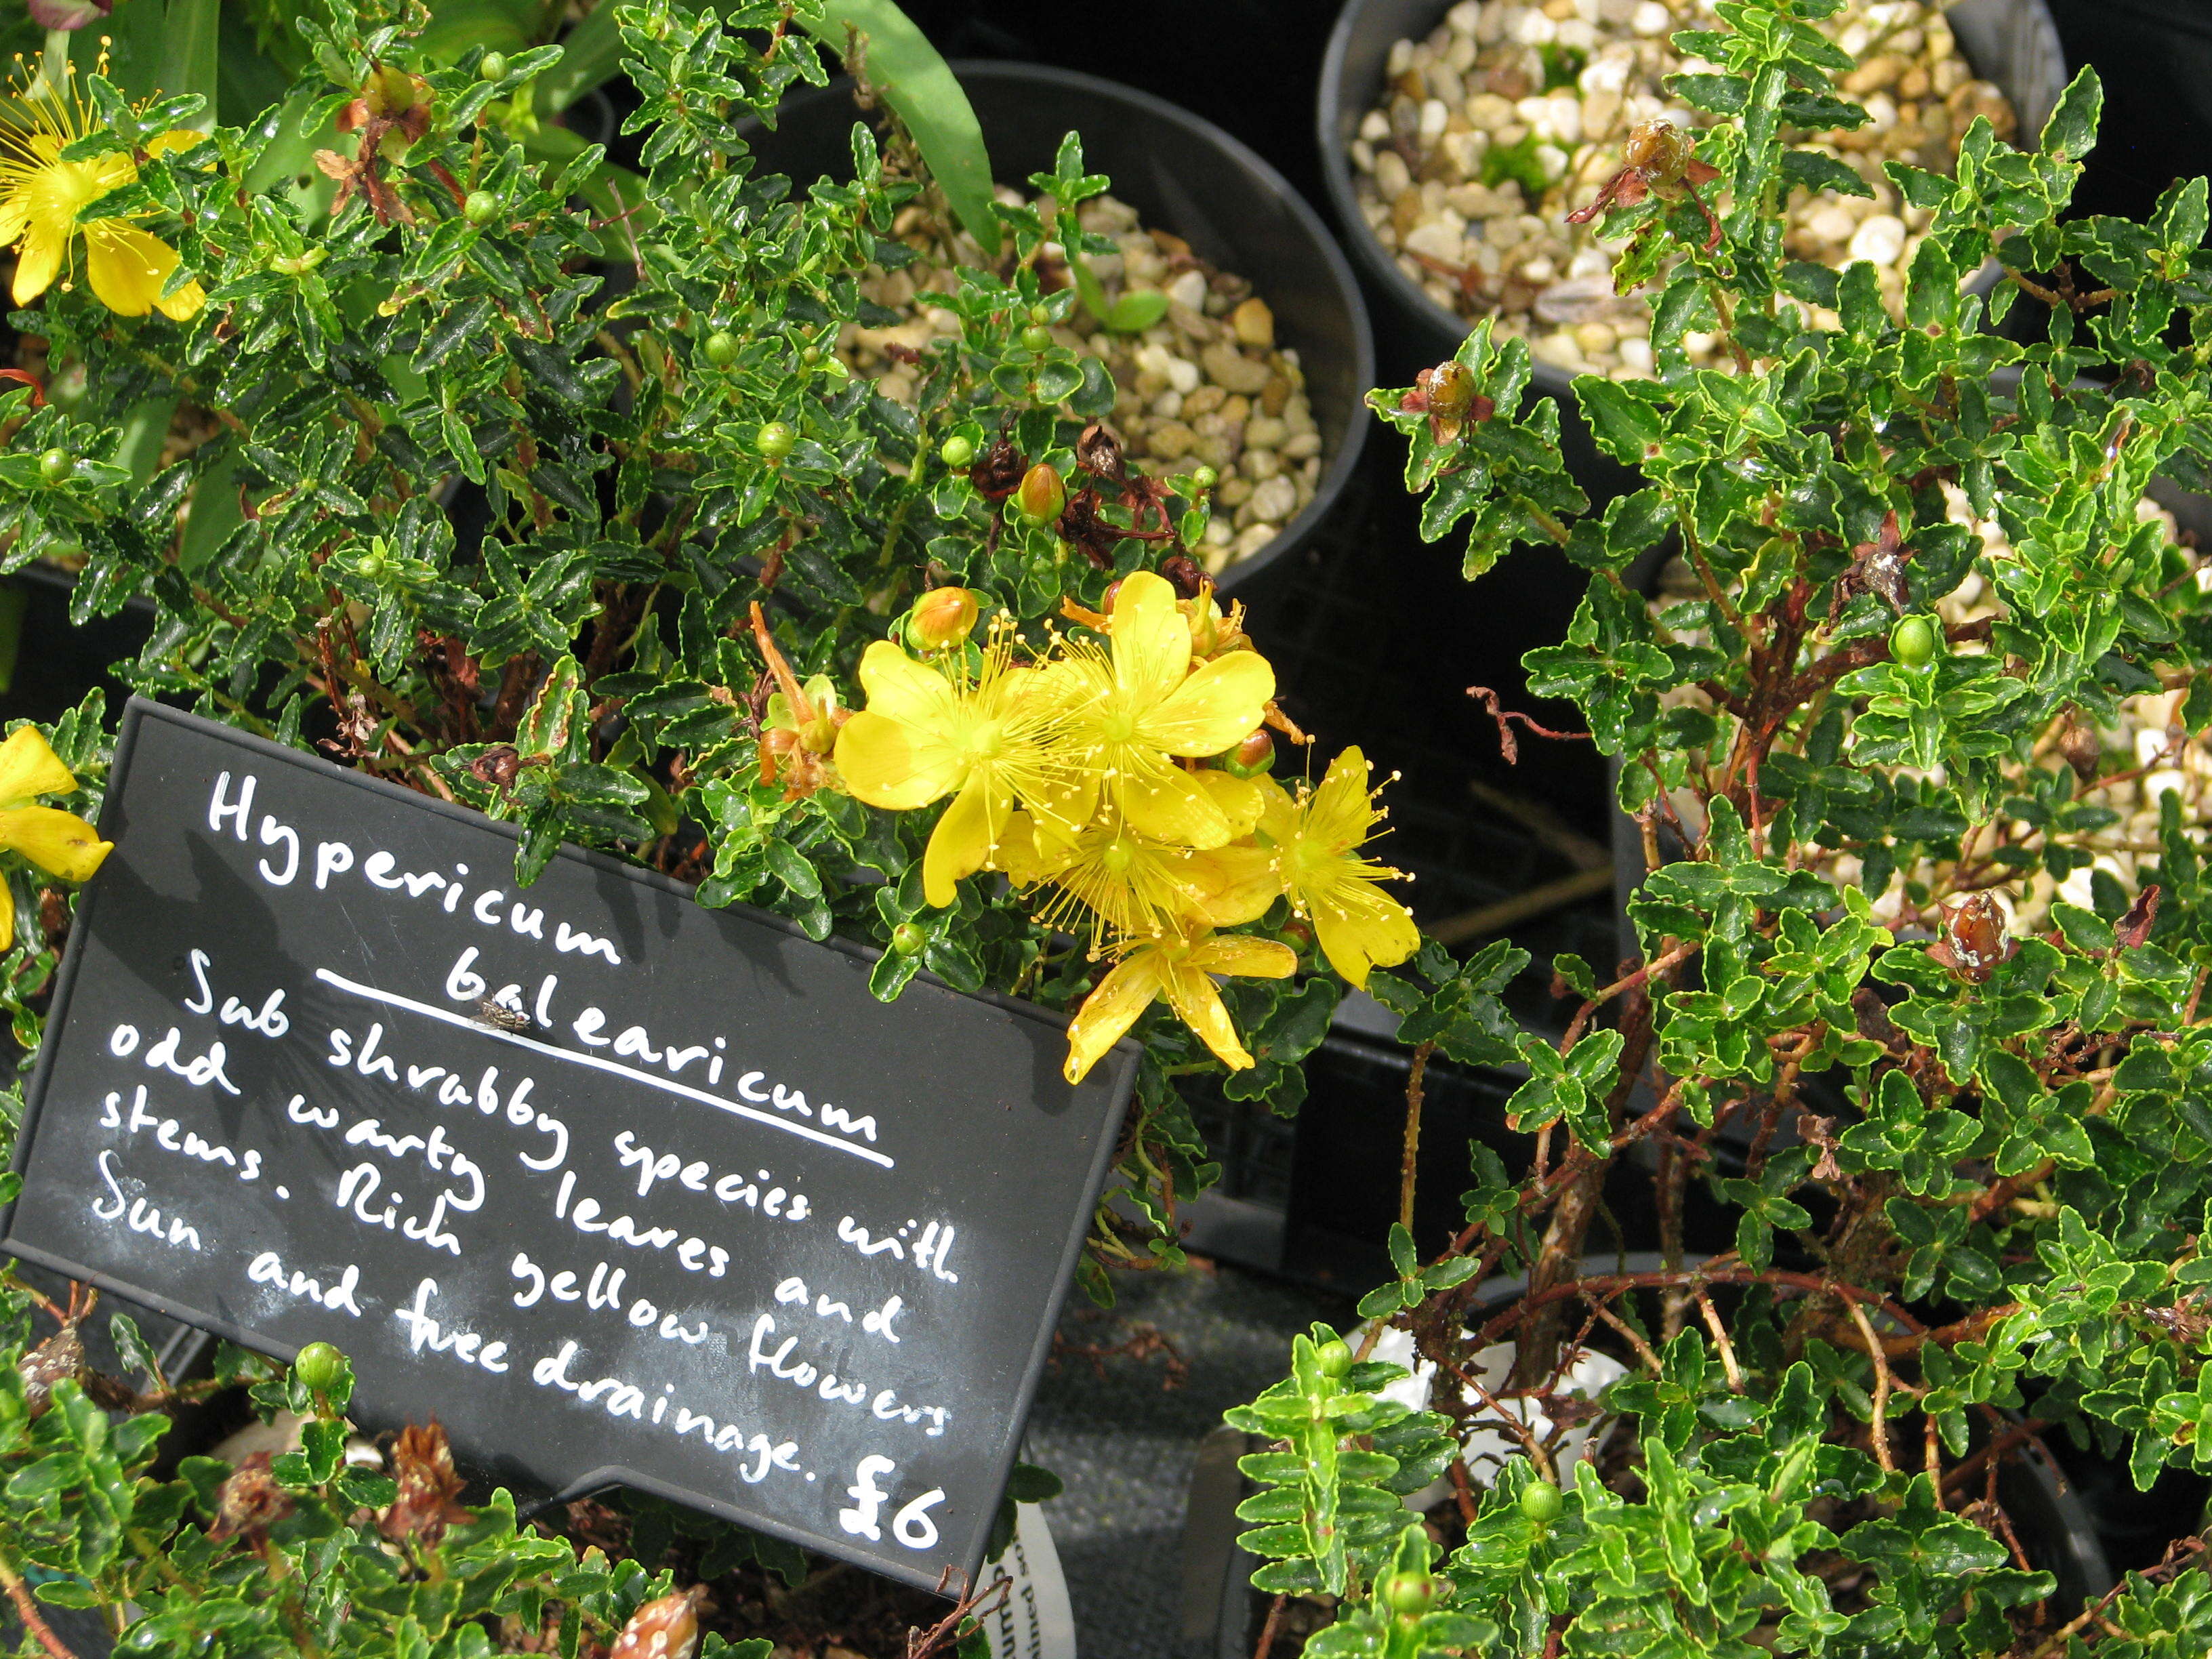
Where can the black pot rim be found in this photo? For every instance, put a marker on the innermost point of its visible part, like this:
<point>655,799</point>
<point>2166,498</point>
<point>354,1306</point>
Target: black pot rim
<point>1376,260</point>
<point>1350,442</point>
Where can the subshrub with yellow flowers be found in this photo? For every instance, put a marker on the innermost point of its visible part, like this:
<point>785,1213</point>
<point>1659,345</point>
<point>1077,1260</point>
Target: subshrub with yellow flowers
<point>1107,775</point>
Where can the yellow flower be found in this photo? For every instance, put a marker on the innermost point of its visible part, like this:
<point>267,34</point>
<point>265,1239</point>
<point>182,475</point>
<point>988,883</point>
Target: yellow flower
<point>1134,887</point>
<point>60,844</point>
<point>1131,706</point>
<point>41,195</point>
<point>1180,970</point>
<point>1316,842</point>
<point>984,738</point>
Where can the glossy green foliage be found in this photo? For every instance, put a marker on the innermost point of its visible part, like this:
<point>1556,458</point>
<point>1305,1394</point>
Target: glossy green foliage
<point>1956,1165</point>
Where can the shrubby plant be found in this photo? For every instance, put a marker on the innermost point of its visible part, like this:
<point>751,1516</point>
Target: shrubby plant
<point>1959,1176</point>
<point>474,460</point>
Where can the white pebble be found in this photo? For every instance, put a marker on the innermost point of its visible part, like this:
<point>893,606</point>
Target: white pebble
<point>1433,117</point>
<point>1880,240</point>
<point>1376,128</point>
<point>1182,375</point>
<point>2157,783</point>
<point>1532,28</point>
<point>1651,18</point>
<point>1188,290</point>
<point>1392,177</point>
<point>1274,501</point>
<point>1605,75</point>
<point>1435,238</point>
<point>1566,118</point>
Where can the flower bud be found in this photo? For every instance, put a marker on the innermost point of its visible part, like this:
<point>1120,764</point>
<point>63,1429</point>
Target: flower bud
<point>392,91</point>
<point>1912,640</point>
<point>722,348</point>
<point>1334,1359</point>
<point>1036,338</point>
<point>908,938</point>
<point>319,1365</point>
<point>56,465</point>
<point>1251,759</point>
<point>942,617</point>
<point>1410,1593</point>
<point>492,67</point>
<point>1204,478</point>
<point>664,1629</point>
<point>481,207</point>
<point>1042,497</point>
<point>775,441</point>
<point>957,452</point>
<point>1541,1502</point>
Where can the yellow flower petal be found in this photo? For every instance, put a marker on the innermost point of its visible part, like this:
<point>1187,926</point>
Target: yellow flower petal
<point>1165,803</point>
<point>38,258</point>
<point>1191,993</point>
<point>901,688</point>
<point>1246,957</point>
<point>1228,886</point>
<point>1239,799</point>
<point>1152,640</point>
<point>1215,706</point>
<point>7,918</point>
<point>891,763</point>
<point>127,266</point>
<point>177,138</point>
<point>1341,813</point>
<point>1110,1010</point>
<point>964,839</point>
<point>29,767</point>
<point>1360,926</point>
<point>60,844</point>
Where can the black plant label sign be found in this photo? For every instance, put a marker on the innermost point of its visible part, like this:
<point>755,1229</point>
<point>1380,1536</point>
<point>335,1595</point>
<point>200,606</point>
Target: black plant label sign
<point>621,1190</point>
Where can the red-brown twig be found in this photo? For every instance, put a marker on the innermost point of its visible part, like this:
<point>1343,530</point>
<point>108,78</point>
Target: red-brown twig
<point>1507,744</point>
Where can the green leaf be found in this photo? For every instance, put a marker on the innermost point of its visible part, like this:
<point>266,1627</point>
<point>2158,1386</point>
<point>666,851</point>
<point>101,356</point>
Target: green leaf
<point>2071,132</point>
<point>917,84</point>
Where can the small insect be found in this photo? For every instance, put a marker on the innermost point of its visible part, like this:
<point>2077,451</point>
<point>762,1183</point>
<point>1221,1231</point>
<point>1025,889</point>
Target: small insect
<point>503,1016</point>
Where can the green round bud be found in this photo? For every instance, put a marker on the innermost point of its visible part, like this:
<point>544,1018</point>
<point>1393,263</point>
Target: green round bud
<point>776,441</point>
<point>492,66</point>
<point>908,938</point>
<point>957,452</point>
<point>319,1365</point>
<point>1912,640</point>
<point>1334,1359</point>
<point>722,348</point>
<point>1036,338</point>
<point>481,207</point>
<point>1541,1502</point>
<point>1040,313</point>
<point>1410,1593</point>
<point>1204,478</point>
<point>56,465</point>
<point>809,355</point>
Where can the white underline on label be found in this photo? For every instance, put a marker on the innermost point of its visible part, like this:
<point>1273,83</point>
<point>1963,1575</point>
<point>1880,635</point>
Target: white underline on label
<point>668,1085</point>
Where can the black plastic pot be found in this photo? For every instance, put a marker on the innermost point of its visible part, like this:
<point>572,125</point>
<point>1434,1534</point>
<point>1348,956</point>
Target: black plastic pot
<point>1183,176</point>
<point>2012,43</point>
